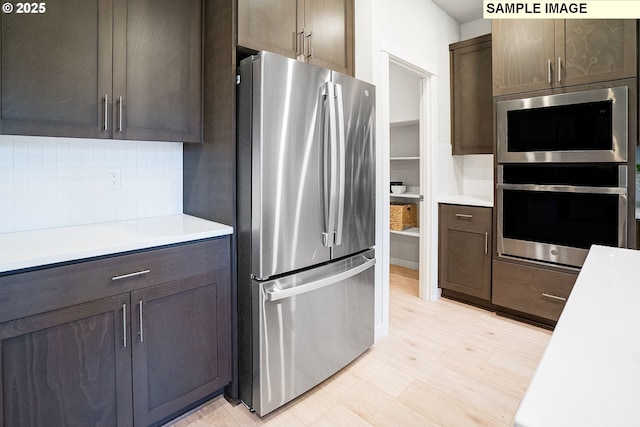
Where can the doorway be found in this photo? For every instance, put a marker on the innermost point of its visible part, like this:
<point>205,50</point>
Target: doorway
<point>407,219</point>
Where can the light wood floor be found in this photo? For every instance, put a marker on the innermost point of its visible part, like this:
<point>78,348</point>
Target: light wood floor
<point>442,364</point>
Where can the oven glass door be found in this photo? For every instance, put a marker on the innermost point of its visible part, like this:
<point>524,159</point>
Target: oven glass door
<point>559,226</point>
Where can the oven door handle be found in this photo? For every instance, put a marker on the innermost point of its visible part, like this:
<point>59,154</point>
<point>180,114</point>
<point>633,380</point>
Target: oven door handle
<point>564,188</point>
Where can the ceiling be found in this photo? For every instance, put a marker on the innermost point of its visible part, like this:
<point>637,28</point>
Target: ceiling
<point>461,10</point>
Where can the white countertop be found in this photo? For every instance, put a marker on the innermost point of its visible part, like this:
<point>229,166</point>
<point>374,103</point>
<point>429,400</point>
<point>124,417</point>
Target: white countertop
<point>589,374</point>
<point>35,248</point>
<point>460,199</point>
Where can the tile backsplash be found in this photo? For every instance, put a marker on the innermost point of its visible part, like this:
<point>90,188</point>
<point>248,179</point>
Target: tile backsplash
<point>56,182</point>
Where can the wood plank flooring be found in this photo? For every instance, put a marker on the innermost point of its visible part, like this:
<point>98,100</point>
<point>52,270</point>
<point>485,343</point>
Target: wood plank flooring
<point>442,364</point>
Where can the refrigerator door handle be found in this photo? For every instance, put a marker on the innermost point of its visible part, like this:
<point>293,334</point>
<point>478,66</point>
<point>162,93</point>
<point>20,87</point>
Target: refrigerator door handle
<point>330,165</point>
<point>326,197</point>
<point>341,162</point>
<point>275,294</point>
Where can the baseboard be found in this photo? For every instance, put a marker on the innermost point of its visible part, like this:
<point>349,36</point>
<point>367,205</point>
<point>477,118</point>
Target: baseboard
<point>404,263</point>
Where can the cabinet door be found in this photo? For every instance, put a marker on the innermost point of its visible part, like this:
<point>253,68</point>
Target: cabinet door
<point>328,30</point>
<point>181,348</point>
<point>471,97</point>
<point>465,250</point>
<point>56,69</point>
<point>269,25</point>
<point>157,70</point>
<point>68,367</point>
<point>522,49</point>
<point>595,50</point>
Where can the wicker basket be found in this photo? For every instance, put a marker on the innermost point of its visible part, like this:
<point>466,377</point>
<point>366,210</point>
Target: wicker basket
<point>403,216</point>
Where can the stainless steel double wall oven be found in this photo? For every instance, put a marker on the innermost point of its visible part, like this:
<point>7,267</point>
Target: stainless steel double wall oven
<point>562,175</point>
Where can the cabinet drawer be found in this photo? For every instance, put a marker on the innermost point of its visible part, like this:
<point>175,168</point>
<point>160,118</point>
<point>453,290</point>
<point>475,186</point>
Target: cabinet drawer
<point>465,215</point>
<point>28,293</point>
<point>531,290</point>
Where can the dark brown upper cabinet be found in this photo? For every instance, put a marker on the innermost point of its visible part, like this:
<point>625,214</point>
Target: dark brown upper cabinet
<point>56,69</point>
<point>157,70</point>
<point>471,96</point>
<point>270,26</point>
<point>531,55</point>
<point>122,69</point>
<point>317,31</point>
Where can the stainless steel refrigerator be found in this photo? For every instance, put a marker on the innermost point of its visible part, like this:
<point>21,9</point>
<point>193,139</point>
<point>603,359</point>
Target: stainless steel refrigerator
<point>306,219</point>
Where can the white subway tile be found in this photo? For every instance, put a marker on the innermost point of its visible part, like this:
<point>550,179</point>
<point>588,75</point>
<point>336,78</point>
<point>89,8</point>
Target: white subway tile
<point>6,194</point>
<point>53,182</point>
<point>6,153</point>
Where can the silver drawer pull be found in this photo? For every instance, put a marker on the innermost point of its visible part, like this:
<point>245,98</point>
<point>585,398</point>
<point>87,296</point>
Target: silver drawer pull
<point>554,297</point>
<point>126,276</point>
<point>466,216</point>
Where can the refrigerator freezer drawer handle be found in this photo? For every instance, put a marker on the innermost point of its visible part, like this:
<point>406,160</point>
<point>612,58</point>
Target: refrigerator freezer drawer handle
<point>276,295</point>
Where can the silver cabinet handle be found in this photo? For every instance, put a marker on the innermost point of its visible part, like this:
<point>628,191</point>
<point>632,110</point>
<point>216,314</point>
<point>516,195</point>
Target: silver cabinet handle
<point>126,276</point>
<point>554,297</point>
<point>486,242</point>
<point>124,325</point>
<point>299,43</point>
<point>140,313</point>
<point>310,36</point>
<point>106,112</point>
<point>294,40</point>
<point>559,69</point>
<point>465,216</point>
<point>549,71</point>
<point>120,114</point>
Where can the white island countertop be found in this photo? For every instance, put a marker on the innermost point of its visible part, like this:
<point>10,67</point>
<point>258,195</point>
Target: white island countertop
<point>589,374</point>
<point>28,249</point>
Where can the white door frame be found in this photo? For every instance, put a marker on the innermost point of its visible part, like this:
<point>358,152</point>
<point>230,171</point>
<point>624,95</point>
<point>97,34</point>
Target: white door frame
<point>428,217</point>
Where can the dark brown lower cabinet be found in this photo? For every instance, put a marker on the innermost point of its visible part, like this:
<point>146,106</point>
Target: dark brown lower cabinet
<point>156,344</point>
<point>465,250</point>
<point>67,367</point>
<point>179,352</point>
<point>531,289</point>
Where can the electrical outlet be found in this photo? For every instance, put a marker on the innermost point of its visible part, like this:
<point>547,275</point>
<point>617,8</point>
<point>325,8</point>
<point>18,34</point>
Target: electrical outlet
<point>113,178</point>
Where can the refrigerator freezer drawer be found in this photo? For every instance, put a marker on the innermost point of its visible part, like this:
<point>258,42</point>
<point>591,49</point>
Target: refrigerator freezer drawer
<point>311,325</point>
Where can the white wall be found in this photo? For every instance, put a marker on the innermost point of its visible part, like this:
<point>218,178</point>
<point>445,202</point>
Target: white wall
<point>476,28</point>
<point>477,170</point>
<point>418,33</point>
<point>55,182</point>
<point>404,99</point>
